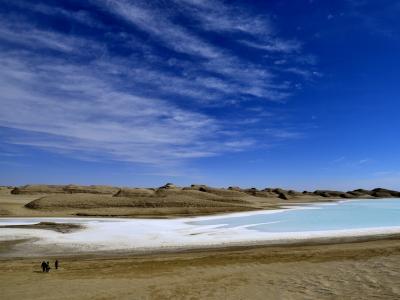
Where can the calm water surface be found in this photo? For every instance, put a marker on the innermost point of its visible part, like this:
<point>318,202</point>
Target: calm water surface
<point>356,214</point>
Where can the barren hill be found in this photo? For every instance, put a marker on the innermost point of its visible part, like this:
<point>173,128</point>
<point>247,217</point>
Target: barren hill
<point>168,200</point>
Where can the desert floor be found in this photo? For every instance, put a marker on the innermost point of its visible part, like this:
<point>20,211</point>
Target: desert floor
<point>357,270</point>
<point>364,270</point>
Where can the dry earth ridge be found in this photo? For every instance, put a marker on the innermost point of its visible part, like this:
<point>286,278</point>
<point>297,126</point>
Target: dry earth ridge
<point>166,201</point>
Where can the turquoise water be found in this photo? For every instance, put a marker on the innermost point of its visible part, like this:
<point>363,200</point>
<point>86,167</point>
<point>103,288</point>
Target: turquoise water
<point>346,215</point>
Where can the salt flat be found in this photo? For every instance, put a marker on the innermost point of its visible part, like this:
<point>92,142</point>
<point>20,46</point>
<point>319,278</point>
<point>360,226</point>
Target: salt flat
<point>345,219</point>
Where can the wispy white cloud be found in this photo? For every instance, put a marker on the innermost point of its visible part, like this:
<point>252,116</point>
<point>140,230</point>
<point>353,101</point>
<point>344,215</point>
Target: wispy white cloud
<point>80,16</point>
<point>243,76</point>
<point>351,162</point>
<point>284,133</point>
<point>25,35</point>
<point>339,159</point>
<point>364,161</point>
<point>275,45</point>
<point>72,95</point>
<point>153,22</point>
<point>217,16</point>
<point>81,111</point>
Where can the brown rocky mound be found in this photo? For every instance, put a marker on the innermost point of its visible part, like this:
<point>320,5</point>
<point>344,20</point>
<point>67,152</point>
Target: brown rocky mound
<point>172,200</point>
<point>90,201</point>
<point>91,189</point>
<point>58,227</point>
<point>333,194</point>
<point>38,189</point>
<point>199,194</point>
<point>359,193</point>
<point>135,192</point>
<point>168,186</point>
<point>231,193</point>
<point>384,193</point>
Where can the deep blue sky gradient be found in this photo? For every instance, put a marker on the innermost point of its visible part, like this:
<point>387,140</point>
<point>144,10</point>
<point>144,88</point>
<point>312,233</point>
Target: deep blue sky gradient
<point>295,94</point>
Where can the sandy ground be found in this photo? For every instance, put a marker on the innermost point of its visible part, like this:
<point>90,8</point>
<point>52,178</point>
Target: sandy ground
<point>13,205</point>
<point>357,270</point>
<point>368,270</point>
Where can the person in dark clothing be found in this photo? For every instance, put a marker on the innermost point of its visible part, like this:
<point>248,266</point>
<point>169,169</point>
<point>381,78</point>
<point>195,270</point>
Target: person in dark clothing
<point>44,266</point>
<point>48,267</point>
<point>56,264</point>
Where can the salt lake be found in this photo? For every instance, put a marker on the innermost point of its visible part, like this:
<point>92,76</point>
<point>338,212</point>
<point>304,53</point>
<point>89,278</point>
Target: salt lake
<point>300,223</point>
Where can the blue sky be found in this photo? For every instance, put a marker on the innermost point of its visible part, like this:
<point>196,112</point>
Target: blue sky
<point>296,94</point>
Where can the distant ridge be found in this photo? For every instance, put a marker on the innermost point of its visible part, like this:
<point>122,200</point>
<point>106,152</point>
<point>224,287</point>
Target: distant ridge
<point>230,191</point>
<point>168,200</point>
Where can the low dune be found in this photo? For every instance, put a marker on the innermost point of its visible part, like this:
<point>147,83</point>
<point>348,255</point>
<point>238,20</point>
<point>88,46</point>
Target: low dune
<point>139,202</point>
<point>64,189</point>
<point>100,201</point>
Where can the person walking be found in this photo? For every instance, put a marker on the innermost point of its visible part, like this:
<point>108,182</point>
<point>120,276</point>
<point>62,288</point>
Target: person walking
<point>48,267</point>
<point>56,264</point>
<point>44,266</point>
